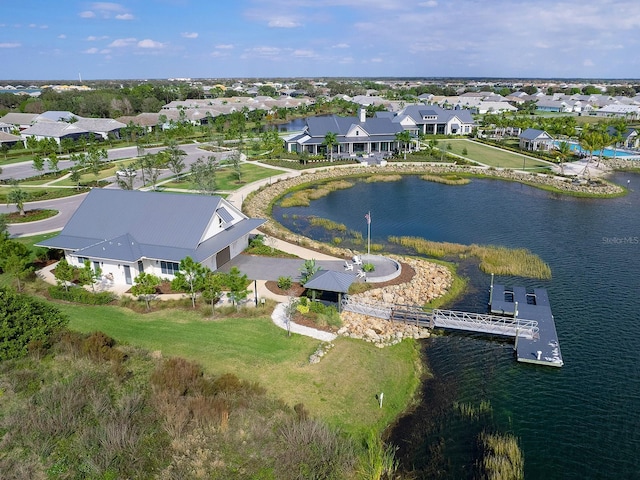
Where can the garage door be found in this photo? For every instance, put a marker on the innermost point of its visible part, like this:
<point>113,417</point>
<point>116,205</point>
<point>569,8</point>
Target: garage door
<point>223,256</point>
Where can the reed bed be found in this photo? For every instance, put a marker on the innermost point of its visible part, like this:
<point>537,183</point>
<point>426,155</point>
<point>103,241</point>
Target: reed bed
<point>502,458</point>
<point>383,178</point>
<point>493,259</point>
<point>446,179</point>
<point>327,224</point>
<point>302,198</point>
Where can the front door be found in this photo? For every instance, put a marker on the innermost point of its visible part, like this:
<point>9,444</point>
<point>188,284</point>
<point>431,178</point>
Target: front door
<point>127,274</point>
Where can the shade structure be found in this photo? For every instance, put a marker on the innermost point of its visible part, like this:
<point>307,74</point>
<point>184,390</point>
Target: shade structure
<point>330,281</point>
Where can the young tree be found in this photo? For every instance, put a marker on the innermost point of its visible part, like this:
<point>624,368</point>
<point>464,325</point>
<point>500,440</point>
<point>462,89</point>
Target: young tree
<point>203,172</point>
<point>234,159</point>
<point>65,273</point>
<point>152,165</point>
<point>308,270</point>
<point>237,284</point>
<point>87,275</point>
<point>175,158</point>
<point>17,267</point>
<point>16,196</point>
<point>38,162</point>
<point>52,161</point>
<point>212,286</point>
<point>125,177</point>
<point>145,286</point>
<point>189,278</point>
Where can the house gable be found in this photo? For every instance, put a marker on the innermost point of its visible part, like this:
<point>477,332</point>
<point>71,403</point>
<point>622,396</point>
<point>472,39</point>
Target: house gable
<point>357,131</point>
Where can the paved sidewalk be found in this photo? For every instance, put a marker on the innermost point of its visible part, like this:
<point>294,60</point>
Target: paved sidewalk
<point>280,319</point>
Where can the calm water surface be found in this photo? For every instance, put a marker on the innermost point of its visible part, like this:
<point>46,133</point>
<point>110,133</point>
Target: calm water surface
<point>580,421</point>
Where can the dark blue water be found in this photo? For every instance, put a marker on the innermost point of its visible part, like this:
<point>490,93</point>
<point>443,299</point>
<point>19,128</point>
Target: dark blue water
<point>580,421</point>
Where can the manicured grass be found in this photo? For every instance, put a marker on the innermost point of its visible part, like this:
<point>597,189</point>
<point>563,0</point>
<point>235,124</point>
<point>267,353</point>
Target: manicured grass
<point>491,156</point>
<point>37,194</point>
<point>228,180</point>
<point>340,389</point>
<point>30,241</point>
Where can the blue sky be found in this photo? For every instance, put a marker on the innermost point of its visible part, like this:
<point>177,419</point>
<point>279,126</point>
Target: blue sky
<point>60,39</point>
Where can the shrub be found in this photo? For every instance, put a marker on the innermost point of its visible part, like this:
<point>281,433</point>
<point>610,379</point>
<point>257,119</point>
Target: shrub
<point>368,267</point>
<point>26,320</point>
<point>284,283</point>
<point>177,376</point>
<point>80,295</point>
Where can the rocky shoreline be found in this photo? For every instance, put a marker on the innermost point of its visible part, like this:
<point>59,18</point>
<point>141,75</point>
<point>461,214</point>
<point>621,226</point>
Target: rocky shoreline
<point>429,282</point>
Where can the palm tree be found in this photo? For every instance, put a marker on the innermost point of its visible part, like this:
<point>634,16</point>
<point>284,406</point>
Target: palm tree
<point>589,143</point>
<point>619,128</point>
<point>17,197</point>
<point>330,139</point>
<point>564,150</point>
<point>404,138</point>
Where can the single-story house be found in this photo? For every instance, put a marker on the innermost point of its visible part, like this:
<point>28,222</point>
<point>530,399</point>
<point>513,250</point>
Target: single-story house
<point>102,127</point>
<point>9,139</point>
<point>127,232</point>
<point>19,120</point>
<point>534,139</point>
<point>354,135</point>
<point>55,130</point>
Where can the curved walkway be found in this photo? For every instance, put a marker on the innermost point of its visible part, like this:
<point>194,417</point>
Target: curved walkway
<point>279,317</point>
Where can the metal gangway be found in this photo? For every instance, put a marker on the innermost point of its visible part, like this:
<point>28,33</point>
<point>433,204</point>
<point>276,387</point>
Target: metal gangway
<point>448,319</point>
<point>485,323</point>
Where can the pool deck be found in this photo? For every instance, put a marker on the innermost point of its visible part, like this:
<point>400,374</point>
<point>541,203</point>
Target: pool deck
<point>543,349</point>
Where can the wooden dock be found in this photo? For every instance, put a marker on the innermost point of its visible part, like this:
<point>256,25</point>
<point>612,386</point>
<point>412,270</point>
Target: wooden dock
<point>517,302</point>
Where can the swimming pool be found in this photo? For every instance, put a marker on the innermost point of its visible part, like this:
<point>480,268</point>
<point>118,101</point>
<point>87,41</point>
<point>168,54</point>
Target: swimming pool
<point>606,152</point>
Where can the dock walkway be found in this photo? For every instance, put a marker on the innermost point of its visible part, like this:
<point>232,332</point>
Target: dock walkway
<point>516,312</point>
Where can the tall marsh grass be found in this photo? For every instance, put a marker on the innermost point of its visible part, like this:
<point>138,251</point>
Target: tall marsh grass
<point>446,179</point>
<point>302,198</point>
<point>327,224</point>
<point>493,259</point>
<point>502,458</point>
<point>383,178</point>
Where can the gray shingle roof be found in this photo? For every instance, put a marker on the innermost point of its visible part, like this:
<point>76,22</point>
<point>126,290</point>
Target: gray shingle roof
<point>128,225</point>
<point>532,134</point>
<point>318,127</point>
<point>53,129</point>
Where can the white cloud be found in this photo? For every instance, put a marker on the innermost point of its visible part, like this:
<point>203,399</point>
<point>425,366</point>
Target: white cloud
<point>588,63</point>
<point>107,10</point>
<point>301,53</point>
<point>340,45</point>
<point>62,36</point>
<point>430,3</point>
<point>148,43</point>
<point>283,22</point>
<point>123,42</point>
<point>189,34</point>
<point>93,38</point>
<point>91,51</point>
<point>265,51</point>
<point>224,46</point>
<point>10,45</point>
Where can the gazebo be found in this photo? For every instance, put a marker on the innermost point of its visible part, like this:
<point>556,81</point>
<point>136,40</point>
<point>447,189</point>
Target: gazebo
<point>331,281</point>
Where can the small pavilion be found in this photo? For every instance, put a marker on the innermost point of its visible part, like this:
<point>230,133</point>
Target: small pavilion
<point>330,281</point>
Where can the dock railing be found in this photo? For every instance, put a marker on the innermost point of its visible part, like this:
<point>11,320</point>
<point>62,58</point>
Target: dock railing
<point>485,323</point>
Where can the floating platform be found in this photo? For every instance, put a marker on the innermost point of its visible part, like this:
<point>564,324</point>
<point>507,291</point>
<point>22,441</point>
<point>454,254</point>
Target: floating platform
<point>533,306</point>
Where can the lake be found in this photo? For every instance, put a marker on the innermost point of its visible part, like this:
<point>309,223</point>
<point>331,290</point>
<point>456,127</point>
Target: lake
<point>579,421</point>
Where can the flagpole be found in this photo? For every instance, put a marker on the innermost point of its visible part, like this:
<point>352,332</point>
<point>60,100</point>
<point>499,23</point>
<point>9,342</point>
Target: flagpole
<point>369,233</point>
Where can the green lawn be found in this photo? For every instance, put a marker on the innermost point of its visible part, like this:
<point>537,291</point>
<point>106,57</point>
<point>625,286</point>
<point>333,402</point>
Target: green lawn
<point>341,388</point>
<point>491,156</point>
<point>227,178</point>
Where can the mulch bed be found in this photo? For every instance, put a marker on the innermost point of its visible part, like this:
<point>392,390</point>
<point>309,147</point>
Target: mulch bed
<point>296,289</point>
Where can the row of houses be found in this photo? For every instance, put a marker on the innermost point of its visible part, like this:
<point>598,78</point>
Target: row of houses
<point>57,125</point>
